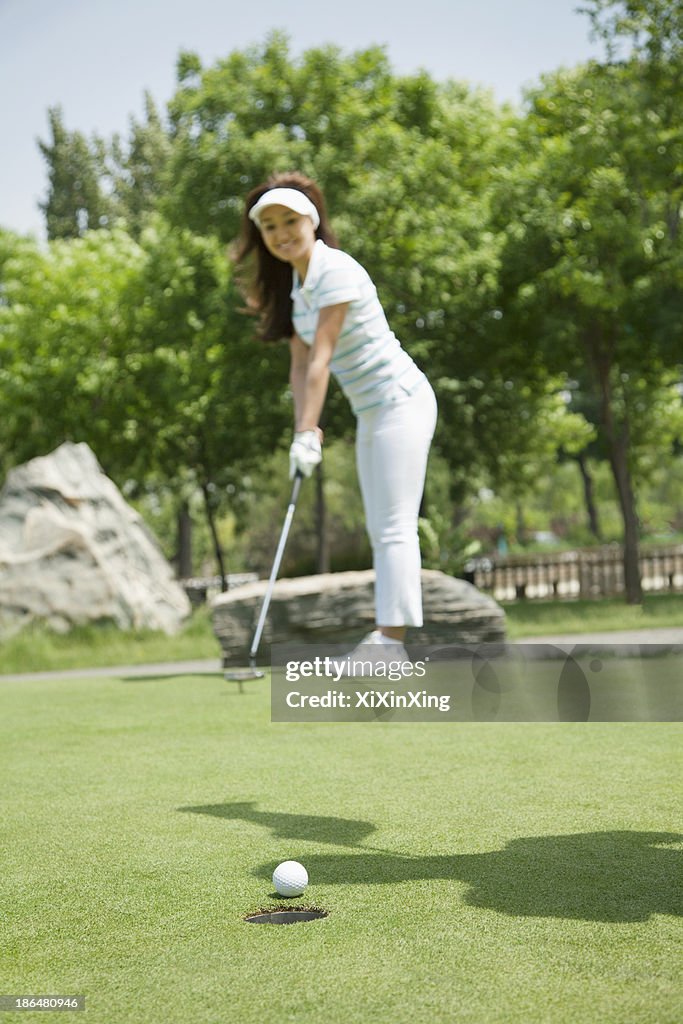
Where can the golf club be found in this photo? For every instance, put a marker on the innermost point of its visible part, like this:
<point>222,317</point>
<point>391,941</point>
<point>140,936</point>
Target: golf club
<point>244,674</point>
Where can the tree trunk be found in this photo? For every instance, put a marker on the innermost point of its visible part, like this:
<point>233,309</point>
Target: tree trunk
<point>617,436</point>
<point>323,552</point>
<point>521,529</point>
<point>627,501</point>
<point>218,550</point>
<point>184,524</point>
<point>589,497</point>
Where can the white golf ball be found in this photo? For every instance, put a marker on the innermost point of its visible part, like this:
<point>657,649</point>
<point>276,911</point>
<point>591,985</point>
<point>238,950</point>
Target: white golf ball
<point>290,878</point>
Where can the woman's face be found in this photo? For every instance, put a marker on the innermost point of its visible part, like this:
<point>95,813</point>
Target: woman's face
<point>289,236</point>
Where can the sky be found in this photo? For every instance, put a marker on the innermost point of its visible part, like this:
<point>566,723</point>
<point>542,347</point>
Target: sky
<point>96,58</point>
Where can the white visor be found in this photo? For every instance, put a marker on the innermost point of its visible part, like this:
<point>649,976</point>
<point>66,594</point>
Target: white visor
<point>292,198</point>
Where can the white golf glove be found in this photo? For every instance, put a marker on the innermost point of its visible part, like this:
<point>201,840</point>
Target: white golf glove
<point>305,452</point>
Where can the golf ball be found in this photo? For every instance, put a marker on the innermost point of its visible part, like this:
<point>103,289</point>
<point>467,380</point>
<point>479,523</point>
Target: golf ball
<point>290,878</point>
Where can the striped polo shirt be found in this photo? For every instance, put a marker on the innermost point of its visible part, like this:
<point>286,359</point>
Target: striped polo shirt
<point>369,363</point>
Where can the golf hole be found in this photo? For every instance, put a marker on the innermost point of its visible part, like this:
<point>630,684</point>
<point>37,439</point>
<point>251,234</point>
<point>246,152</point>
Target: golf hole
<point>286,915</point>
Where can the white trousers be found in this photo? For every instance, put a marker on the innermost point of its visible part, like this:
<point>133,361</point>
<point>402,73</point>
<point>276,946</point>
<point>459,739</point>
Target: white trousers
<point>392,445</point>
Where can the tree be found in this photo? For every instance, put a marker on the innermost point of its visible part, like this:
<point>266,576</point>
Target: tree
<point>591,265</point>
<point>62,328</point>
<point>136,348</point>
<point>654,29</point>
<point>188,398</point>
<point>405,164</point>
<point>77,199</point>
<point>139,167</point>
<point>513,254</point>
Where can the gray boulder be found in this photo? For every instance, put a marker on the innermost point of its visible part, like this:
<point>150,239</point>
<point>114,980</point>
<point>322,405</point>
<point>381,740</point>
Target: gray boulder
<point>72,551</point>
<point>339,607</point>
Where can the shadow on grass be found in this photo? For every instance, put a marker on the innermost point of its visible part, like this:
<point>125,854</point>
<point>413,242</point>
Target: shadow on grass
<point>595,876</point>
<point>613,876</point>
<point>312,828</point>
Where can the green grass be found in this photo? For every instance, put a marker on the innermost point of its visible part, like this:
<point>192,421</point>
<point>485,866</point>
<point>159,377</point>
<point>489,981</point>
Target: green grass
<point>38,649</point>
<point>473,873</point>
<point>528,618</point>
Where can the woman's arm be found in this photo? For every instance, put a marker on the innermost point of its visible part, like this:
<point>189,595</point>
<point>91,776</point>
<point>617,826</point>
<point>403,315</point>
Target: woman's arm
<point>298,366</point>
<point>312,384</point>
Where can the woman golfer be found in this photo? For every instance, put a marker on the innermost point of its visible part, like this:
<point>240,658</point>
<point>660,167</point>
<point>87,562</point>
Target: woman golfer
<point>308,290</point>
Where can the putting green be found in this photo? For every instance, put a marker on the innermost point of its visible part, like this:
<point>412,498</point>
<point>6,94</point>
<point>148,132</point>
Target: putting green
<point>472,872</point>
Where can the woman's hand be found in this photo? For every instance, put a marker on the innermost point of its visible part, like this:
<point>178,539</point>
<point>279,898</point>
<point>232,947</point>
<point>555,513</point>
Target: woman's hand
<point>305,452</point>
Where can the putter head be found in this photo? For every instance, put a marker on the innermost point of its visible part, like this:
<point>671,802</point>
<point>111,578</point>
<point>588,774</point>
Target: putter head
<point>243,675</point>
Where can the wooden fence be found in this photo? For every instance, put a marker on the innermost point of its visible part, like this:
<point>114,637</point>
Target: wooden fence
<point>584,573</point>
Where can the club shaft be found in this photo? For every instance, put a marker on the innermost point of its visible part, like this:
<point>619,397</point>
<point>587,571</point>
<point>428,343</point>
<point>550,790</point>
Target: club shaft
<point>276,565</point>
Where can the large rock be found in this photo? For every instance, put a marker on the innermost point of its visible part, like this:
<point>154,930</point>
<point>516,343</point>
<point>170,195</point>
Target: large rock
<point>339,607</point>
<point>72,551</point>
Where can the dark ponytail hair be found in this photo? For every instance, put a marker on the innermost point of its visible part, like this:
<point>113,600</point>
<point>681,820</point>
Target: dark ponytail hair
<point>266,281</point>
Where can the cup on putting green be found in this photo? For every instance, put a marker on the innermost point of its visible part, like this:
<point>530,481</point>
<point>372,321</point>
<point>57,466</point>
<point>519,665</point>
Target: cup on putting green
<point>290,878</point>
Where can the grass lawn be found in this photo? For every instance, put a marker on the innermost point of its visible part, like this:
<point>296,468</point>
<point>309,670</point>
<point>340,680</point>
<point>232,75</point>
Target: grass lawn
<point>473,873</point>
<point>529,618</point>
<point>37,649</point>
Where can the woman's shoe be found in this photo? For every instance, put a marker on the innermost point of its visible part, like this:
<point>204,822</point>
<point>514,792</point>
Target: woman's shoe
<point>372,656</point>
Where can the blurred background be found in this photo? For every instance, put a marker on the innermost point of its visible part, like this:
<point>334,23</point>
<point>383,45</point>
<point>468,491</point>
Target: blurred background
<point>510,175</point>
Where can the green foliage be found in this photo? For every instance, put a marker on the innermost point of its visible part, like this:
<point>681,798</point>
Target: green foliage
<point>653,27</point>
<point>589,252</point>
<point>139,168</point>
<point>187,385</point>
<point>523,259</point>
<point>63,326</point>
<point>591,266</point>
<point>553,503</point>
<point>77,199</point>
<point>136,348</point>
<point>445,538</point>
<point>263,502</point>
